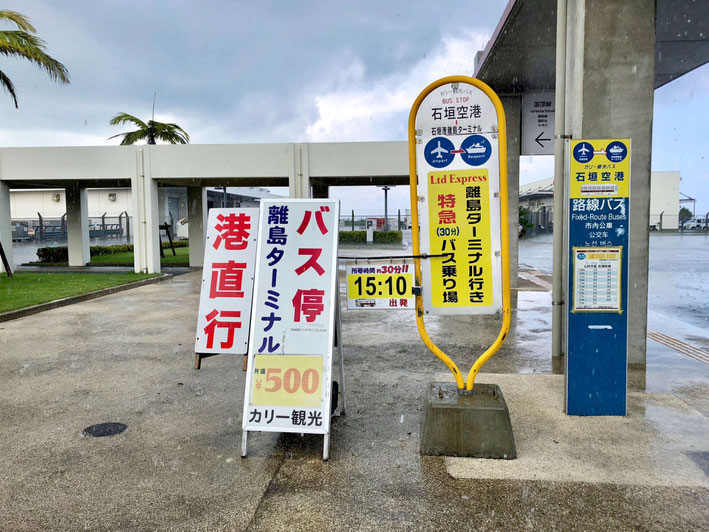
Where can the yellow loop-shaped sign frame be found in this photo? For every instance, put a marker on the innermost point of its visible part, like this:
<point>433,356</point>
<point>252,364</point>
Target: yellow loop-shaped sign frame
<point>504,229</point>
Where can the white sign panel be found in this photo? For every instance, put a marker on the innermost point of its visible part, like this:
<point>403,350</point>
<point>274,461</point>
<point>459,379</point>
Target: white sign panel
<point>538,123</point>
<point>457,160</point>
<point>227,281</point>
<point>289,377</point>
<point>380,285</point>
<point>597,282</point>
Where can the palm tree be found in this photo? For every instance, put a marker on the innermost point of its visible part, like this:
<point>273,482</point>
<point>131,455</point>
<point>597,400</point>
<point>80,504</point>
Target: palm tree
<point>150,132</point>
<point>22,43</point>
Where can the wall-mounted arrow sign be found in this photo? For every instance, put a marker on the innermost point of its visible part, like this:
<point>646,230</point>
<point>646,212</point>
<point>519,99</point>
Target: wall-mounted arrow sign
<point>539,140</point>
<point>537,123</point>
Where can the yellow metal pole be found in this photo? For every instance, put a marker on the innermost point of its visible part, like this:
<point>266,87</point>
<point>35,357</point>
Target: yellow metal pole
<point>504,227</point>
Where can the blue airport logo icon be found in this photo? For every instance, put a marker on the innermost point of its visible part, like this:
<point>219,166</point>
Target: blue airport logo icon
<point>583,152</point>
<point>616,151</point>
<point>438,152</point>
<point>475,150</point>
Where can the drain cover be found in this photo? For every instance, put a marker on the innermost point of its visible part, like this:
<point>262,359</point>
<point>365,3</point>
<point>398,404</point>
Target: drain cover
<point>104,429</point>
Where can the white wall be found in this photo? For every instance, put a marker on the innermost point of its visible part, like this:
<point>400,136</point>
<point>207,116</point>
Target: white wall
<point>664,197</point>
<point>24,204</point>
<point>99,201</point>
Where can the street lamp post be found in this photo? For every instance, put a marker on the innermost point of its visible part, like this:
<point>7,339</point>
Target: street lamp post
<point>386,189</point>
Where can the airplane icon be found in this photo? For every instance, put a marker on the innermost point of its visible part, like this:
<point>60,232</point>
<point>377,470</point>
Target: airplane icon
<point>438,151</point>
<point>583,150</point>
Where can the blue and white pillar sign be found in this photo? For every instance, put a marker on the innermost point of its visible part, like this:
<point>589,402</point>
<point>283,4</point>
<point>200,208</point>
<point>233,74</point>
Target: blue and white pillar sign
<point>598,192</point>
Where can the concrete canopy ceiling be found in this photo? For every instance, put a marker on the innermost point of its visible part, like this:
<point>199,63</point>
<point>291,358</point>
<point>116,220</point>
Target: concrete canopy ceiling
<point>520,56</point>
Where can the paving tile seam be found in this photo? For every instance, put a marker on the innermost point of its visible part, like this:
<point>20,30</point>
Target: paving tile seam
<point>532,277</point>
<point>450,469</point>
<point>265,492</point>
<point>679,346</point>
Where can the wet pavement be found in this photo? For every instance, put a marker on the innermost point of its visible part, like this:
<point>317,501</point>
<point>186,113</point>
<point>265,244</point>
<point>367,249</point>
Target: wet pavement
<point>128,358</point>
<point>677,306</point>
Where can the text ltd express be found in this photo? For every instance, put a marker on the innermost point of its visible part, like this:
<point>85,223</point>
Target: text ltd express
<point>453,179</point>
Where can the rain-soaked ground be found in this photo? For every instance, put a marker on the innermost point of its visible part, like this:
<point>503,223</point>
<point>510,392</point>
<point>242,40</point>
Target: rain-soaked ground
<point>679,274</point>
<point>127,358</point>
<point>677,303</point>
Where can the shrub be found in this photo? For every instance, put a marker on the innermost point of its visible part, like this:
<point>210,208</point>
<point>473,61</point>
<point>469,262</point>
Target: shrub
<point>380,237</point>
<point>353,237</point>
<point>387,237</point>
<point>61,253</point>
<point>53,254</point>
<point>111,250</point>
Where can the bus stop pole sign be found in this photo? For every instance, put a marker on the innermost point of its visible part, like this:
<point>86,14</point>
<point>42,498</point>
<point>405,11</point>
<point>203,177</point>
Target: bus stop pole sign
<point>598,193</point>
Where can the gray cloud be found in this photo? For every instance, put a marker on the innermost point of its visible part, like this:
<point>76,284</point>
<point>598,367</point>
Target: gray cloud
<point>241,70</point>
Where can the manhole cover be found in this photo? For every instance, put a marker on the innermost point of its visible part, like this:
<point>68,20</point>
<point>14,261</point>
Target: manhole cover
<point>104,429</point>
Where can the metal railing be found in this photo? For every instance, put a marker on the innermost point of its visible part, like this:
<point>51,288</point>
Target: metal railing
<point>52,229</point>
<point>358,221</point>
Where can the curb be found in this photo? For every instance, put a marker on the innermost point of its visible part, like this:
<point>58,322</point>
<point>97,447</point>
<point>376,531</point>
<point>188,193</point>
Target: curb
<point>28,311</point>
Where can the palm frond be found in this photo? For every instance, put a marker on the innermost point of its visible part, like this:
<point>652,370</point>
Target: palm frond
<point>132,137</point>
<point>20,20</point>
<point>125,118</point>
<point>171,133</point>
<point>8,86</point>
<point>31,47</point>
<point>150,132</point>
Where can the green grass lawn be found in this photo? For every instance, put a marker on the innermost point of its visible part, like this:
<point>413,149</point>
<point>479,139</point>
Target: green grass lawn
<point>181,259</point>
<point>27,289</point>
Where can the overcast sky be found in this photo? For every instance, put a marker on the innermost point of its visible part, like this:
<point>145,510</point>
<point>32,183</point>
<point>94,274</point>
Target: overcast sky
<point>284,71</point>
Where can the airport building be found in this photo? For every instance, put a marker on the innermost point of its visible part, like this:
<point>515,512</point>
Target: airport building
<point>538,199</point>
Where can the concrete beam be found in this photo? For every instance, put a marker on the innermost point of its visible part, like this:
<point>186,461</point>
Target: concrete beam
<point>77,225</point>
<point>56,163</point>
<point>610,74</point>
<point>359,159</point>
<point>5,224</point>
<point>197,225</point>
<point>220,160</point>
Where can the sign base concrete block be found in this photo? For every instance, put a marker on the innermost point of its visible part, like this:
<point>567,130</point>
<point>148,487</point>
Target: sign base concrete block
<point>472,424</point>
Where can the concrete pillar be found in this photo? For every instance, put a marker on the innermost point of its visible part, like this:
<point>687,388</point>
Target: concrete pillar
<point>77,225</point>
<point>299,179</point>
<point>609,94</point>
<point>5,224</point>
<point>512,105</point>
<point>145,213</point>
<point>197,225</point>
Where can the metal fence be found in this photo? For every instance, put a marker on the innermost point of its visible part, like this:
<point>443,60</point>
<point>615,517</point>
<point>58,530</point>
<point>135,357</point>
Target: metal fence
<point>359,222</point>
<point>542,222</point>
<point>44,229</point>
